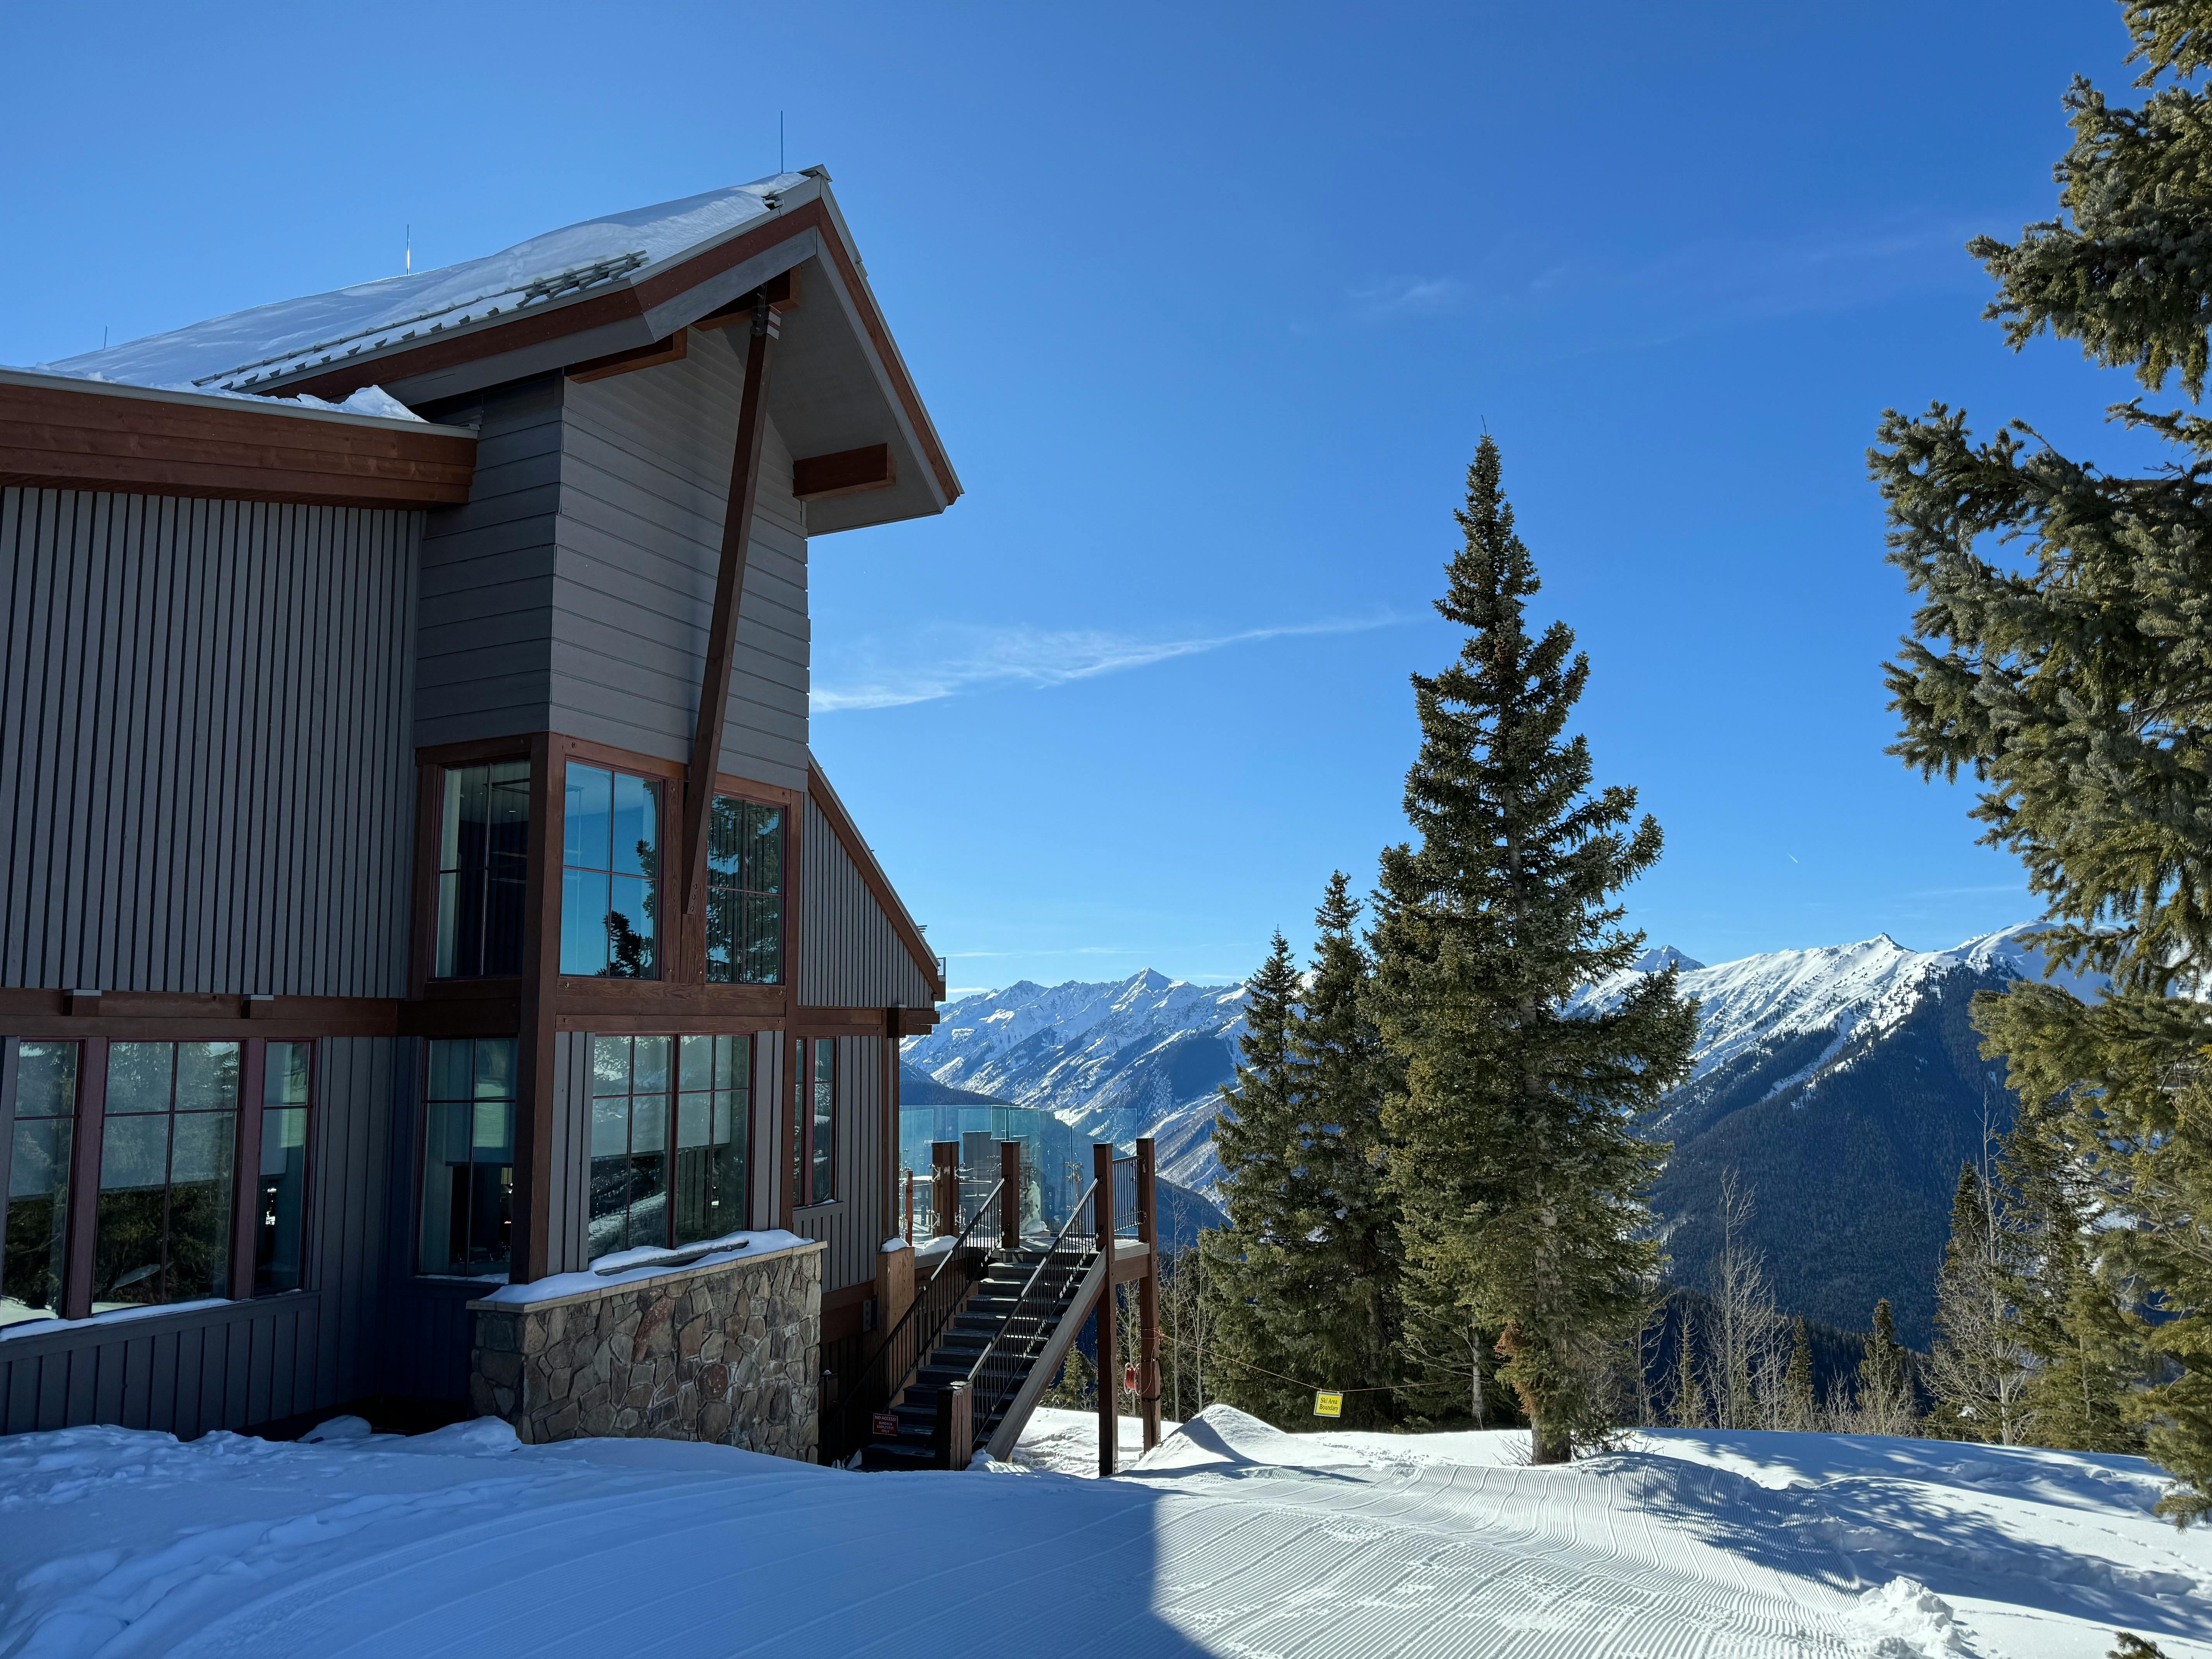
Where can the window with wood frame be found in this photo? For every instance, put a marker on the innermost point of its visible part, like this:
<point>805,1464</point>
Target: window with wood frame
<point>744,892</point>
<point>609,870</point>
<point>484,860</point>
<point>814,1148</point>
<point>280,1192</point>
<point>670,1128</point>
<point>468,1157</point>
<point>37,1198</point>
<point>168,1138</point>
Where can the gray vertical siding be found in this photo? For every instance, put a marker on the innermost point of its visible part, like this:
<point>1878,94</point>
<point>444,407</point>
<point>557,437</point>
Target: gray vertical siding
<point>486,616</point>
<point>205,778</point>
<point>849,956</point>
<point>771,1101</point>
<point>645,481</point>
<point>244,1363</point>
<point>852,1226</point>
<point>570,1159</point>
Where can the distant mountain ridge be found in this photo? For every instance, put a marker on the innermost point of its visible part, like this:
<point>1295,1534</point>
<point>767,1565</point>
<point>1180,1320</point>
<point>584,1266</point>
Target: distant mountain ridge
<point>1843,1082</point>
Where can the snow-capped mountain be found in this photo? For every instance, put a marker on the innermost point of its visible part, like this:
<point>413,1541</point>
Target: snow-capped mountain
<point>1143,1056</point>
<point>1843,1083</point>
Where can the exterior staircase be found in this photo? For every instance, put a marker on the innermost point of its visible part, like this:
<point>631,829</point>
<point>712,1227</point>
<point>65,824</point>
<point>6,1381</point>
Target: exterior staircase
<point>1003,1347</point>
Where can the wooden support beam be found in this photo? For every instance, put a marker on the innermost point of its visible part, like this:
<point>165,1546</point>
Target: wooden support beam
<point>714,714</point>
<point>782,294</point>
<point>1148,1295</point>
<point>530,1234</point>
<point>1109,1355</point>
<point>84,1177</point>
<point>847,473</point>
<point>673,350</point>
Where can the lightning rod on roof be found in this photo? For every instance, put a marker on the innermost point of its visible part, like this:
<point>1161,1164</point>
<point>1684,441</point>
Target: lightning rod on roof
<point>779,141</point>
<point>410,267</point>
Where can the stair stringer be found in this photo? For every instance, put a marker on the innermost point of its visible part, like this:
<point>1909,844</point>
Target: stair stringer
<point>1001,1444</point>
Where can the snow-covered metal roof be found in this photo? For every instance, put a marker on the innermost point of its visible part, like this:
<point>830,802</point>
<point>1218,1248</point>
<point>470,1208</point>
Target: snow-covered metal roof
<point>251,350</point>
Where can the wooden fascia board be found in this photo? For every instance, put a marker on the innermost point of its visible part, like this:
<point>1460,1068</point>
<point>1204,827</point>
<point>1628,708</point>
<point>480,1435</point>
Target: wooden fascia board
<point>57,434</point>
<point>871,874</point>
<point>635,302</point>
<point>847,473</point>
<point>652,354</point>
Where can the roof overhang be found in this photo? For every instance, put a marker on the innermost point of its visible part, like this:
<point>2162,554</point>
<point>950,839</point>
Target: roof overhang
<point>58,432</point>
<point>840,383</point>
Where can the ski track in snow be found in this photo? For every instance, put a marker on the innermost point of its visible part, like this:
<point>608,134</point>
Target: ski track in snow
<point>1230,1539</point>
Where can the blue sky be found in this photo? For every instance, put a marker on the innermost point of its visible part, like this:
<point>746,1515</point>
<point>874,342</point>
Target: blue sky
<point>1211,304</point>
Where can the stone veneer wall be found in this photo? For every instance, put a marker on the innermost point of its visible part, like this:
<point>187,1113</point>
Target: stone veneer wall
<point>730,1353</point>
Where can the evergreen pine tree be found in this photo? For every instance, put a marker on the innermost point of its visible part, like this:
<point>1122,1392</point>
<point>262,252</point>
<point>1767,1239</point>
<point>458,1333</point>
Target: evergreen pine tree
<point>1513,1153</point>
<point>1689,1394</point>
<point>1252,1288</point>
<point>2086,1338</point>
<point>1801,1394</point>
<point>2070,670</point>
<point>1884,1394</point>
<point>1348,1254</point>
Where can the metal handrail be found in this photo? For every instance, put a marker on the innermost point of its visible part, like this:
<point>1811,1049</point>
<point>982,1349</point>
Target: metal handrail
<point>922,1341</point>
<point>1008,1373</point>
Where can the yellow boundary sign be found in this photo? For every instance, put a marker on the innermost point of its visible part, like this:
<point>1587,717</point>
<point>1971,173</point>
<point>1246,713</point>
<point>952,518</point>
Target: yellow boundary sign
<point>1327,1405</point>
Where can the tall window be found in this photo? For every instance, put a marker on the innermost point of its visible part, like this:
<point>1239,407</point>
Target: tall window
<point>713,1120</point>
<point>280,1195</point>
<point>745,893</point>
<point>483,850</point>
<point>38,1180</point>
<point>609,860</point>
<point>816,1148</point>
<point>468,1159</point>
<point>162,1225</point>
<point>635,1136</point>
<point>629,1143</point>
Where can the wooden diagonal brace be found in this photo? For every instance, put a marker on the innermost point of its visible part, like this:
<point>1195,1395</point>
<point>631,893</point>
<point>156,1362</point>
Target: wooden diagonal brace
<point>722,635</point>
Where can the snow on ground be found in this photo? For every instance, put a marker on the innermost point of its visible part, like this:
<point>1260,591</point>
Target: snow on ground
<point>1058,1442</point>
<point>1230,1539</point>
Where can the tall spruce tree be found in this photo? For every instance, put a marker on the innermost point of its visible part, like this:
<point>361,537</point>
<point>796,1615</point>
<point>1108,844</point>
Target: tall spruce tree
<point>1514,1155</point>
<point>2084,1331</point>
<point>1306,1277</point>
<point>1884,1403</point>
<point>1801,1394</point>
<point>1349,1253</point>
<point>2062,654</point>
<point>1251,1283</point>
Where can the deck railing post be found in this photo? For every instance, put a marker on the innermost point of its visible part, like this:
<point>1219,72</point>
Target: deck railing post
<point>1010,1194</point>
<point>944,1187</point>
<point>1109,1356</point>
<point>955,1427</point>
<point>1148,1297</point>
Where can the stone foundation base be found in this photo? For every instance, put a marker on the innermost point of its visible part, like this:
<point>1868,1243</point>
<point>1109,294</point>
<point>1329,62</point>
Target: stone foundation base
<point>730,1353</point>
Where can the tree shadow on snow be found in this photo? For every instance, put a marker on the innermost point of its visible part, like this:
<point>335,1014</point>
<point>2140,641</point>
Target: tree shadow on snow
<point>1884,1514</point>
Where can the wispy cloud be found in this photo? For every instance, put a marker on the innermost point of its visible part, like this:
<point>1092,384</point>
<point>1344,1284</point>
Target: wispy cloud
<point>1409,296</point>
<point>945,661</point>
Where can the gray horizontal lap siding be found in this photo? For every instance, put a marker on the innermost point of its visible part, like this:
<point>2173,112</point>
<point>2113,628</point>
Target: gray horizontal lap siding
<point>849,955</point>
<point>645,483</point>
<point>205,776</point>
<point>249,1362</point>
<point>487,607</point>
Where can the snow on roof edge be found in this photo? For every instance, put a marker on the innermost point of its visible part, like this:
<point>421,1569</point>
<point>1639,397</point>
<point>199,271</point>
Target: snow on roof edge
<point>299,407</point>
